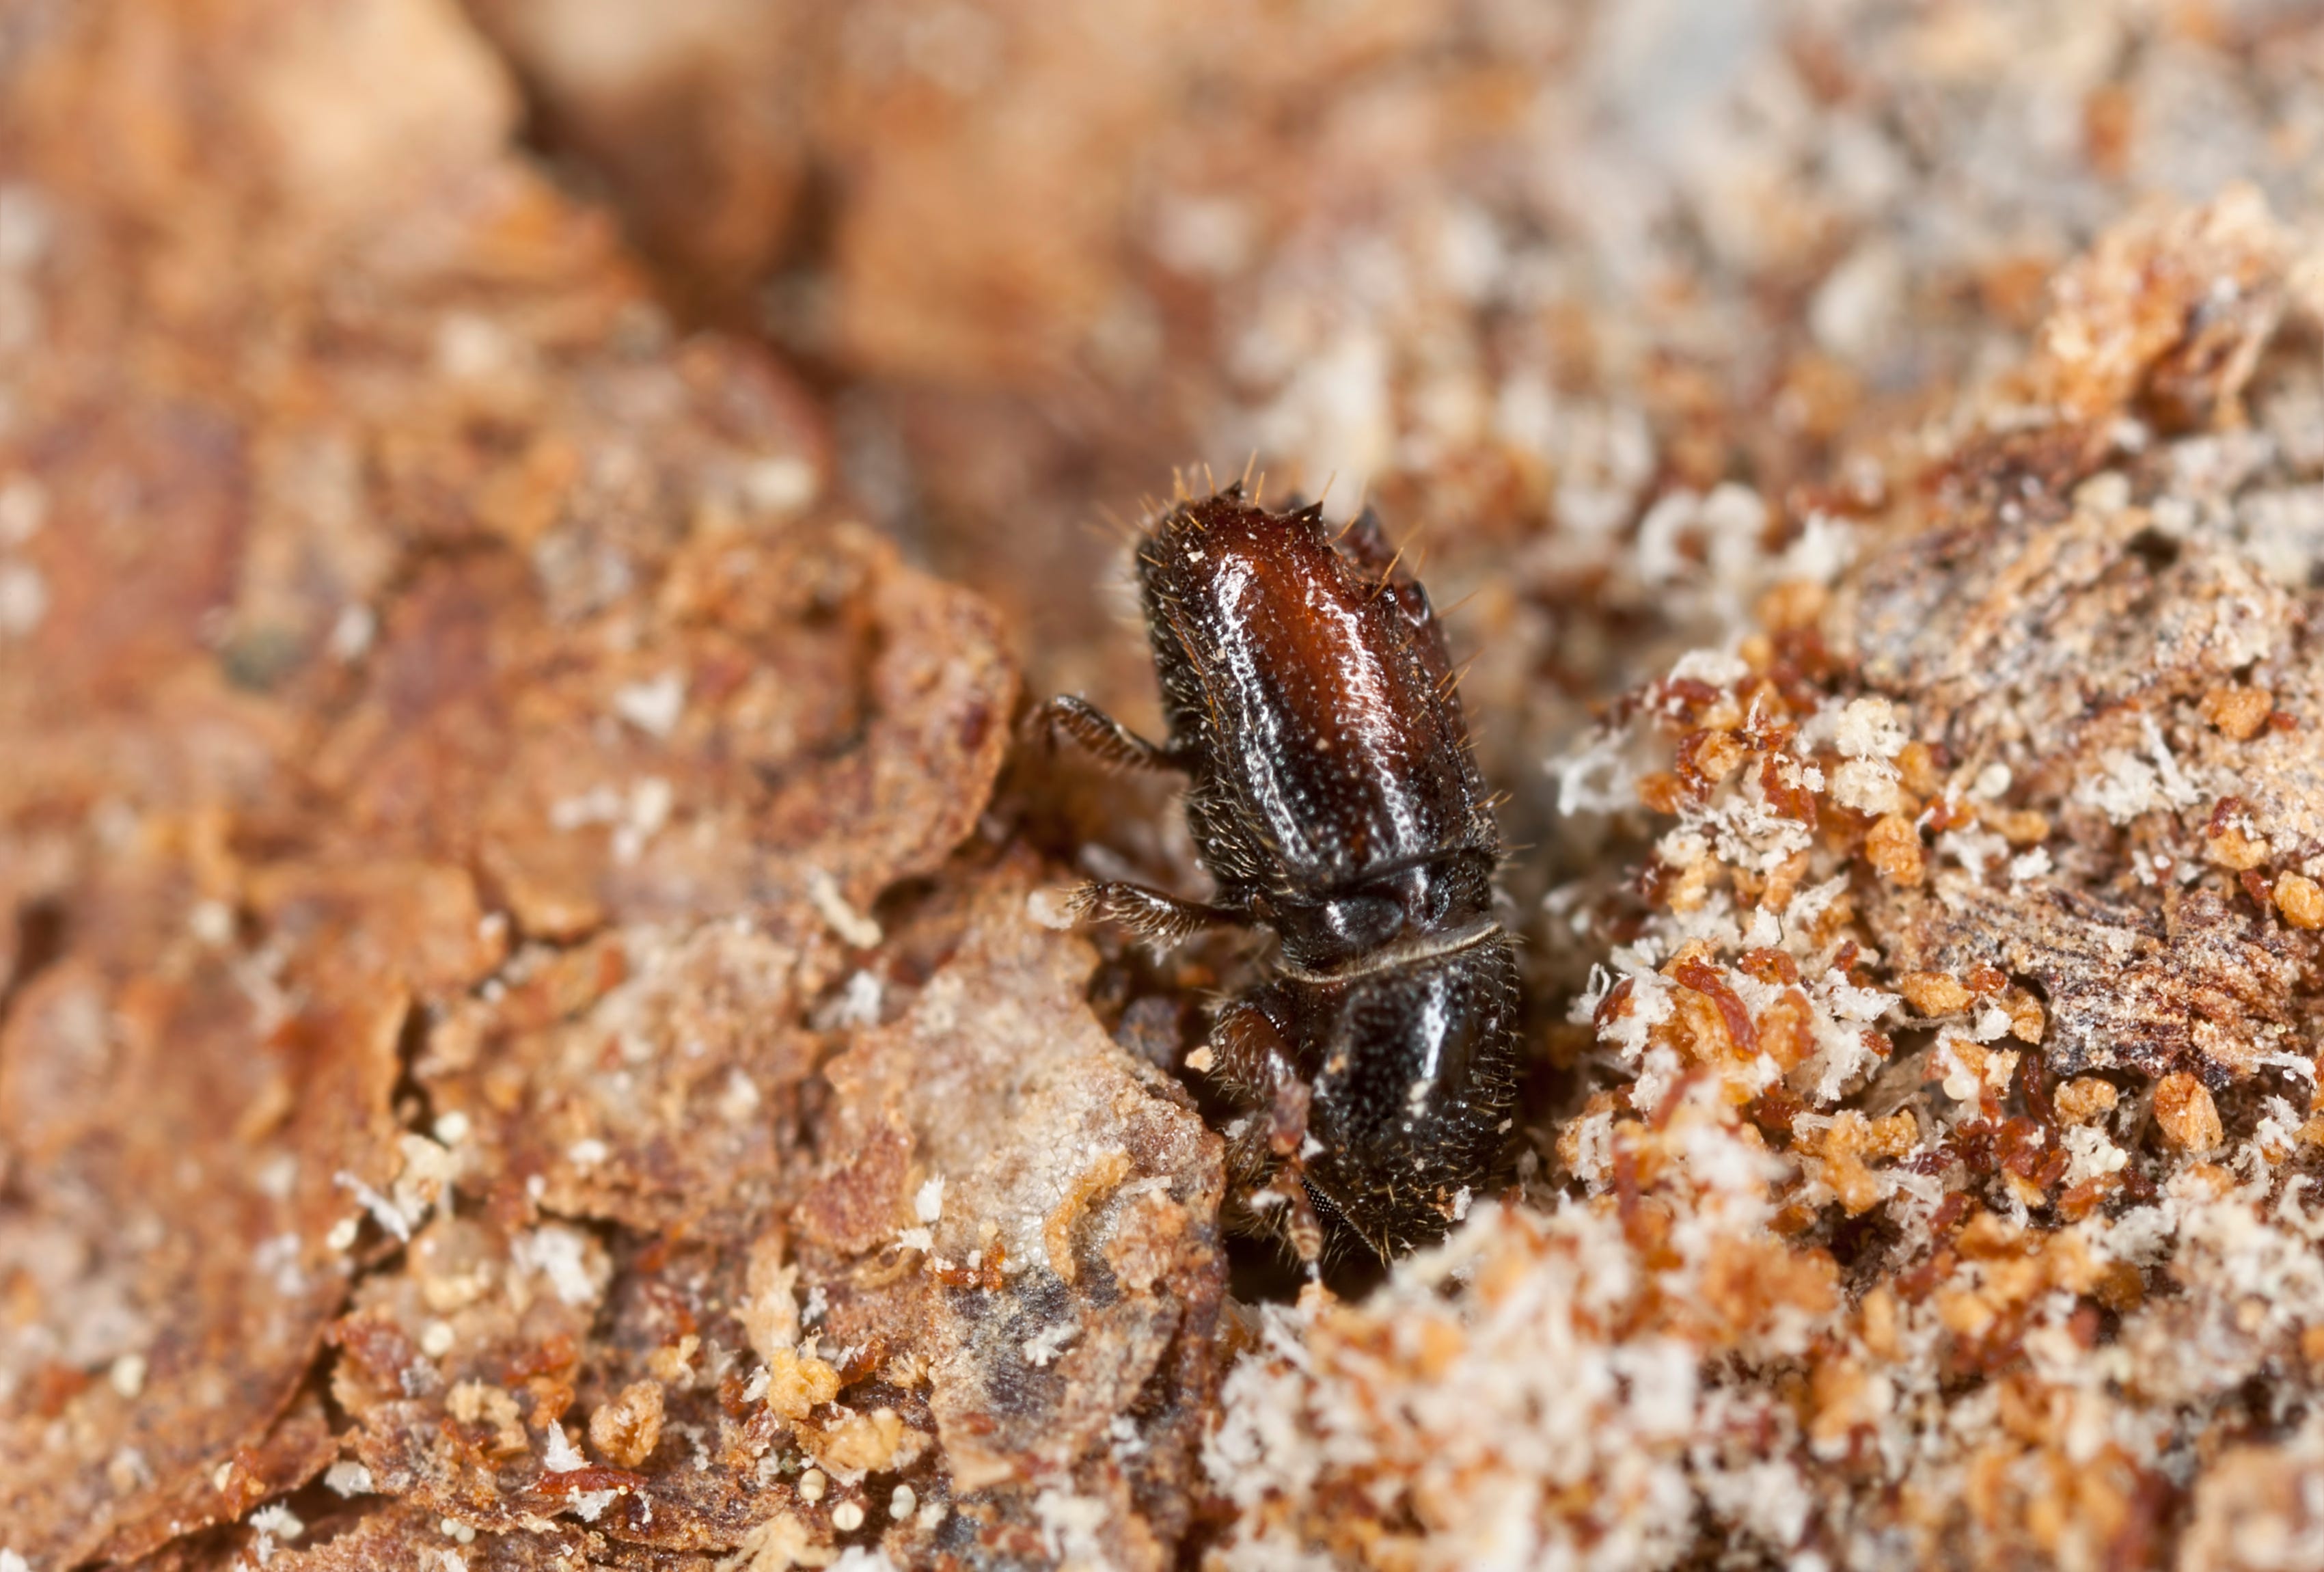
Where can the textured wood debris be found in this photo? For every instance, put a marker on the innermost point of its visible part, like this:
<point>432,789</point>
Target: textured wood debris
<point>1960,968</point>
<point>456,761</point>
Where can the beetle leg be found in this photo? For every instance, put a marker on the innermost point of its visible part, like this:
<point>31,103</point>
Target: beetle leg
<point>1248,1053</point>
<point>1273,1189</point>
<point>1301,1227</point>
<point>1285,1122</point>
<point>1148,914</point>
<point>1100,734</point>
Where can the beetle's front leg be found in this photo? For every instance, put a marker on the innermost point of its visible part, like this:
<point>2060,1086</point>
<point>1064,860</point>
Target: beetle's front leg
<point>1100,734</point>
<point>1272,1188</point>
<point>1148,914</point>
<point>1249,1053</point>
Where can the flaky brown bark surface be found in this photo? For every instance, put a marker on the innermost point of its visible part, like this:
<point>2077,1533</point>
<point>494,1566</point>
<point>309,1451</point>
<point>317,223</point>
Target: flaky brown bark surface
<point>452,762</point>
<point>530,1037</point>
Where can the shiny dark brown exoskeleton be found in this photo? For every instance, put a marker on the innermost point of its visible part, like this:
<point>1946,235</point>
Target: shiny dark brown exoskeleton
<point>1334,799</point>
